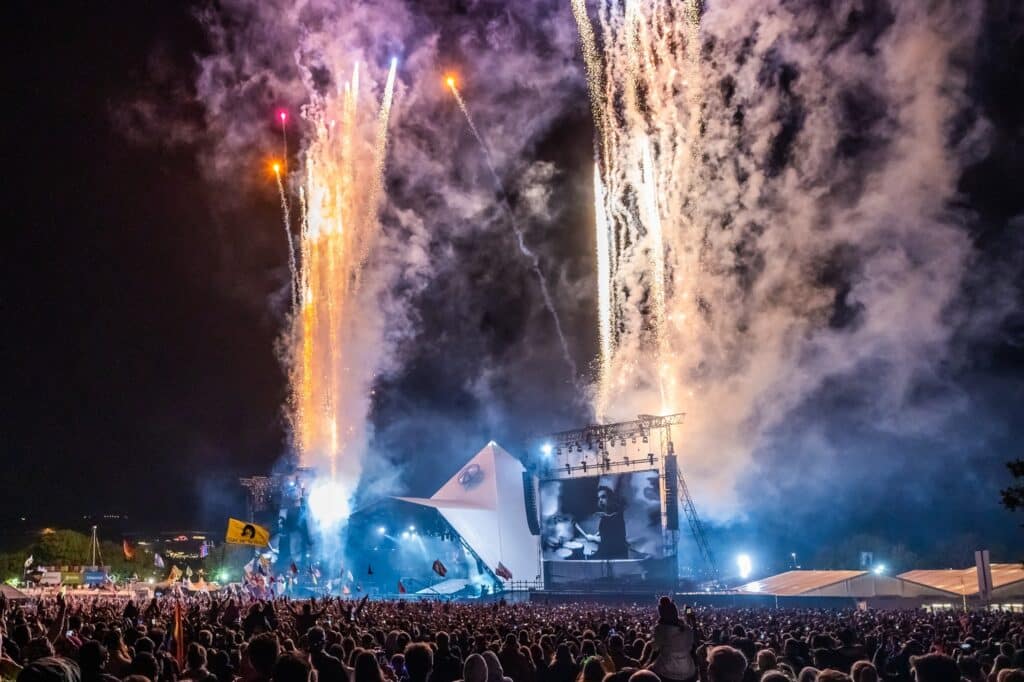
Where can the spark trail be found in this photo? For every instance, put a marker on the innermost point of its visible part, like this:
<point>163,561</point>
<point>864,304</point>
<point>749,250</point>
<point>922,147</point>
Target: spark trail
<point>744,266</point>
<point>286,216</point>
<point>335,335</point>
<point>520,237</point>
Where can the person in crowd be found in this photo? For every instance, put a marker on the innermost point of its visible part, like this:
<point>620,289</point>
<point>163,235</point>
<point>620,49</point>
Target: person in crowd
<point>726,664</point>
<point>517,665</point>
<point>291,667</point>
<point>92,661</point>
<point>673,644</point>
<point>474,669</point>
<point>495,672</point>
<point>419,662</point>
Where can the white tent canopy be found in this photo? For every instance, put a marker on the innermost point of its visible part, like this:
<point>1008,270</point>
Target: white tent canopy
<point>484,503</point>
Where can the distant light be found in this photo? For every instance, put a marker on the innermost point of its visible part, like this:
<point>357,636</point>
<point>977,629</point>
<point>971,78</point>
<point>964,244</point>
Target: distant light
<point>151,581</point>
<point>284,116</point>
<point>879,569</point>
<point>546,449</point>
<point>745,565</point>
<point>405,535</point>
<point>450,80</point>
<point>381,530</point>
<point>412,528</point>
<point>223,576</point>
<point>276,167</point>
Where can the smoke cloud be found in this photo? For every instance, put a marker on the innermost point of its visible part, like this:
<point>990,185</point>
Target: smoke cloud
<point>826,250</point>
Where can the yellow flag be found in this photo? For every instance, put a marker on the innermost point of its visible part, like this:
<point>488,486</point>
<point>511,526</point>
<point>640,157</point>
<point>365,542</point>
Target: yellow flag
<point>242,533</point>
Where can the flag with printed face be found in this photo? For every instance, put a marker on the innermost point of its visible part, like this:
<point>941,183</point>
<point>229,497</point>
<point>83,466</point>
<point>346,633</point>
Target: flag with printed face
<point>242,533</point>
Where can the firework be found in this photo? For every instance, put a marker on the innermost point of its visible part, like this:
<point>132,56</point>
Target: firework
<point>332,336</point>
<point>520,237</point>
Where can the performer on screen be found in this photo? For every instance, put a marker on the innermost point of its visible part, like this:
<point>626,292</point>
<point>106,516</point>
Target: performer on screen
<point>611,527</point>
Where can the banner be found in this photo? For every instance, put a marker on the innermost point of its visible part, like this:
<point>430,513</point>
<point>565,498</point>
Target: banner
<point>242,533</point>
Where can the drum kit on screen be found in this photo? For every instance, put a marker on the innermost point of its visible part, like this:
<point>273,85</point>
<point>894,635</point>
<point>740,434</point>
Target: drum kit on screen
<point>564,543</point>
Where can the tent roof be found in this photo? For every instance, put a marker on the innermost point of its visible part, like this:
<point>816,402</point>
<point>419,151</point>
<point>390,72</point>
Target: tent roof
<point>12,593</point>
<point>964,581</point>
<point>794,583</point>
<point>484,502</point>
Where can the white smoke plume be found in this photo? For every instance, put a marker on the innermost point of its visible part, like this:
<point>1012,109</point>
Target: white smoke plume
<point>807,157</point>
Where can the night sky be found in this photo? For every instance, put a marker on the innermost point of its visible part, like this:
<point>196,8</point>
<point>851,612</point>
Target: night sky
<point>143,296</point>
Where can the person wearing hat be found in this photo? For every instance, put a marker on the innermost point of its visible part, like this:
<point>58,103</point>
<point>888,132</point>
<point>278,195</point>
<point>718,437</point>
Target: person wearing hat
<point>671,656</point>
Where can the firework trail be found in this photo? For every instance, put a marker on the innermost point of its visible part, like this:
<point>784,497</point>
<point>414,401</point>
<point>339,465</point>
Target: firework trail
<point>286,216</point>
<point>333,337</point>
<point>724,212</point>
<point>520,237</point>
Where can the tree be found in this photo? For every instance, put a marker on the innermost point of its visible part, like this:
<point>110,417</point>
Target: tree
<point>63,548</point>
<point>1013,497</point>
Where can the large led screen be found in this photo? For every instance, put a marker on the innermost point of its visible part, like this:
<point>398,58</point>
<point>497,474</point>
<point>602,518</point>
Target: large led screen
<point>611,516</point>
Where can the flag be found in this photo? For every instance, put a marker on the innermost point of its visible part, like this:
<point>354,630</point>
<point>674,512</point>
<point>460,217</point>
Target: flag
<point>351,578</point>
<point>158,561</point>
<point>294,569</point>
<point>204,550</point>
<point>128,550</point>
<point>345,590</point>
<point>503,572</point>
<point>369,570</point>
<point>439,568</point>
<point>401,587</point>
<point>179,636</point>
<point>188,571</point>
<point>263,566</point>
<point>28,561</point>
<point>242,533</point>
<point>250,567</point>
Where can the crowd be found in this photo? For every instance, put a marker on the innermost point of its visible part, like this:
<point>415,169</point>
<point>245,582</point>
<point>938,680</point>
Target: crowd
<point>238,639</point>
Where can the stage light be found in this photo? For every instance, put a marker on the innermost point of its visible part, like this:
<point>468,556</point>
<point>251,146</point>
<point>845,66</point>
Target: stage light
<point>223,577</point>
<point>568,469</point>
<point>405,534</point>
<point>412,528</point>
<point>546,449</point>
<point>381,530</point>
<point>879,569</point>
<point>328,502</point>
<point>150,580</point>
<point>745,565</point>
